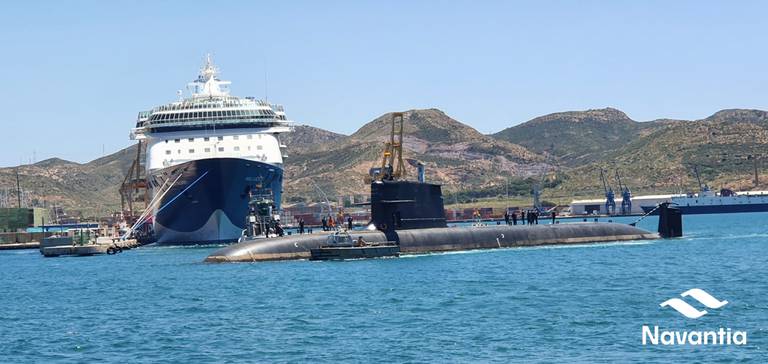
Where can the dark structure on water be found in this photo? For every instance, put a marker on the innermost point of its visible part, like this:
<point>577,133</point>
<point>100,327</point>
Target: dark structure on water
<point>670,221</point>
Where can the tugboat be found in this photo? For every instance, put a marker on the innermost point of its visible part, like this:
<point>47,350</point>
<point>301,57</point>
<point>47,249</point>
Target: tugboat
<point>262,221</point>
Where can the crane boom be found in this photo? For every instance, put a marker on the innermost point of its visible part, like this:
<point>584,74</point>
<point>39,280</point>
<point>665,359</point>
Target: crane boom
<point>392,164</point>
<point>610,203</point>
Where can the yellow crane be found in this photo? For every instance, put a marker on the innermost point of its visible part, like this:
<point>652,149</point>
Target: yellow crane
<point>392,165</point>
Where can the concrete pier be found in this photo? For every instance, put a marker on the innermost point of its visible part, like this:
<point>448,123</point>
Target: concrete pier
<point>15,246</point>
<point>416,241</point>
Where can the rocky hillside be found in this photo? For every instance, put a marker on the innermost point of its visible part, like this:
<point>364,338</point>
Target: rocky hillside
<point>307,139</point>
<point>655,156</point>
<point>456,155</point>
<point>92,187</point>
<point>723,146</point>
<point>578,137</point>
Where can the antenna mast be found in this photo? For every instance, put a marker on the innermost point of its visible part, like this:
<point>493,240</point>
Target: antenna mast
<point>18,188</point>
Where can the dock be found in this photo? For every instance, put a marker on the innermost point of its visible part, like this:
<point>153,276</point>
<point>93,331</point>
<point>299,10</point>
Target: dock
<point>101,246</point>
<point>16,246</point>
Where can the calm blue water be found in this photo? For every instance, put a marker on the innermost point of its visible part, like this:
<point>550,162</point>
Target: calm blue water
<point>568,304</point>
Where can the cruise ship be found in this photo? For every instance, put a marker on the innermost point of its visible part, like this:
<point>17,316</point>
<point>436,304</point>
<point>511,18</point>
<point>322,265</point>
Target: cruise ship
<point>710,202</point>
<point>207,156</point>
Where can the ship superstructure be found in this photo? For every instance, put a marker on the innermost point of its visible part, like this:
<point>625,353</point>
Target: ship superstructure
<point>207,155</point>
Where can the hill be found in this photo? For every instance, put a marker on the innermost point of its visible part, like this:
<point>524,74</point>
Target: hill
<point>91,187</point>
<point>456,155</point>
<point>725,148</point>
<point>578,137</point>
<point>653,157</point>
<point>307,139</point>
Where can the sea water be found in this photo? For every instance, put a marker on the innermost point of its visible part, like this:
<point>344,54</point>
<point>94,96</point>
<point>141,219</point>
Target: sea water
<point>585,303</point>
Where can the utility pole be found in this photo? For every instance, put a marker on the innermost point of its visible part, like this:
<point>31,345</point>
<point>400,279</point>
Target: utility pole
<point>507,188</point>
<point>18,188</point>
<point>757,178</point>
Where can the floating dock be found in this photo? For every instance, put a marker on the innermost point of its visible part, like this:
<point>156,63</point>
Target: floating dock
<point>418,241</point>
<point>51,247</point>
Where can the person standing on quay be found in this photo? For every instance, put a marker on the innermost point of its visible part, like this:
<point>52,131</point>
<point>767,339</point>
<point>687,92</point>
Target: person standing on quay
<point>514,217</point>
<point>522,217</point>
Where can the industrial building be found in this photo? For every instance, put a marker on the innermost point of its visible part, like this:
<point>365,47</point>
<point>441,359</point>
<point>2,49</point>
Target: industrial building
<point>14,219</point>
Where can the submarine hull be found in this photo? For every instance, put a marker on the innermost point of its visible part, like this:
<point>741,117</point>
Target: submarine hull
<point>415,241</point>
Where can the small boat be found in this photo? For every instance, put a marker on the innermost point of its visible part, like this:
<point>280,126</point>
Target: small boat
<point>341,246</point>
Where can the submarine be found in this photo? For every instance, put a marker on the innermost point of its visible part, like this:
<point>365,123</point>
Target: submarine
<point>410,216</point>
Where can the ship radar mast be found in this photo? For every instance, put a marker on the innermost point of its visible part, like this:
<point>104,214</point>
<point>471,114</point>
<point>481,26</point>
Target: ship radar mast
<point>207,84</point>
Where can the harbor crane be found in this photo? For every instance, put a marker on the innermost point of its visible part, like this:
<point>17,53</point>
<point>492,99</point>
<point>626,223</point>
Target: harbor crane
<point>610,203</point>
<point>538,184</point>
<point>392,165</point>
<point>134,189</point>
<point>626,196</point>
<point>703,188</point>
<point>536,192</point>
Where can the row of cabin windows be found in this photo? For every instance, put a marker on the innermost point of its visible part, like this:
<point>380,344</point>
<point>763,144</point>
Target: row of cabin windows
<point>214,114</point>
<point>208,150</point>
<point>211,105</point>
<point>207,139</point>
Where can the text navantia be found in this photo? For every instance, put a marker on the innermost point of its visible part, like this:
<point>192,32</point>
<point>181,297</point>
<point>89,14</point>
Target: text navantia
<point>723,336</point>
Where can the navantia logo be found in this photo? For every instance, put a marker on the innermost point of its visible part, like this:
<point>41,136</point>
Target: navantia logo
<point>722,336</point>
<point>689,311</point>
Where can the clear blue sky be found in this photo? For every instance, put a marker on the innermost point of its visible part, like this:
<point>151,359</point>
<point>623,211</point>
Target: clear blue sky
<point>75,74</point>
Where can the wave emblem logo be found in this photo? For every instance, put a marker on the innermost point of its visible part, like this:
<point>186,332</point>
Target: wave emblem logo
<point>689,311</point>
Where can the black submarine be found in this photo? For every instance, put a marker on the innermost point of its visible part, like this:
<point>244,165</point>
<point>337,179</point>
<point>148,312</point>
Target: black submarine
<point>410,215</point>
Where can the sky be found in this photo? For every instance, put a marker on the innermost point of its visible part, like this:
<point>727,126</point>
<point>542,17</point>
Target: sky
<point>76,73</point>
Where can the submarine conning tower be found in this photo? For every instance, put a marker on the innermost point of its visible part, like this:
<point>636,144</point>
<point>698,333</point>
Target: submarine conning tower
<point>402,205</point>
